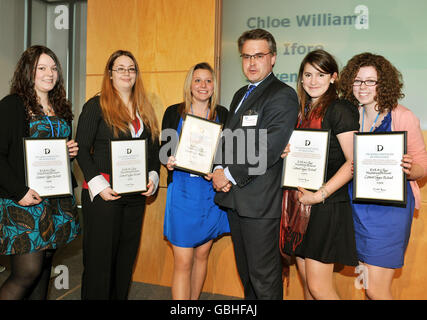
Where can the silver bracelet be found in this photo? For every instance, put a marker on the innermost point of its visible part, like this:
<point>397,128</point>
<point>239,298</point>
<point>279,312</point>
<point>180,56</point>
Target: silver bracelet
<point>324,193</point>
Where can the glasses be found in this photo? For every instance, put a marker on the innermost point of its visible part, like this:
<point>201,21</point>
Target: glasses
<point>256,56</point>
<point>369,83</point>
<point>121,70</point>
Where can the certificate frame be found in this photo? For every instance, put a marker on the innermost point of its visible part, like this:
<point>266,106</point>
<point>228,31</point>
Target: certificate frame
<point>128,160</point>
<point>302,168</point>
<point>185,156</point>
<point>370,188</point>
<point>47,167</point>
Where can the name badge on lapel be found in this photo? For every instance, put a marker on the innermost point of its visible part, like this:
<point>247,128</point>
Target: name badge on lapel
<point>249,118</point>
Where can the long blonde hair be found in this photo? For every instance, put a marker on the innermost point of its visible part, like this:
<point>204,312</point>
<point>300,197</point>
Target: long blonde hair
<point>188,97</point>
<point>113,108</point>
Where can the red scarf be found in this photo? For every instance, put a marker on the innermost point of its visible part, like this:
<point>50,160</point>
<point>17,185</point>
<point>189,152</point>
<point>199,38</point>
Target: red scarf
<point>295,215</point>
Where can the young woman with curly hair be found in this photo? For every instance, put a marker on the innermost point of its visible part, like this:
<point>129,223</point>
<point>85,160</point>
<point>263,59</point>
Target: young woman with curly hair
<point>382,231</point>
<point>31,228</point>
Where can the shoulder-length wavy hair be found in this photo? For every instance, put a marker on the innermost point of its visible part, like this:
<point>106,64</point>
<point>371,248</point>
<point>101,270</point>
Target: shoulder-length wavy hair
<point>23,84</point>
<point>113,108</point>
<point>389,86</point>
<point>188,96</point>
<point>323,62</point>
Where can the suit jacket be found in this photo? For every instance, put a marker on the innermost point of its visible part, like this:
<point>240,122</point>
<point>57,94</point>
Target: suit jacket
<point>171,119</point>
<point>276,104</point>
<point>93,136</point>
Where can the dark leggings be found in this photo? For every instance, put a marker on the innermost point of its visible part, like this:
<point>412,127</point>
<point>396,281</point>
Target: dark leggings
<point>29,277</point>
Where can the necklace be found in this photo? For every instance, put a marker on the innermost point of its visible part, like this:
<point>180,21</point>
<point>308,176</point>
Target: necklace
<point>363,121</point>
<point>192,112</point>
<point>49,111</point>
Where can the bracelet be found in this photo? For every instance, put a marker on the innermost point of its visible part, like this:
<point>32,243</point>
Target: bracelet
<point>324,193</point>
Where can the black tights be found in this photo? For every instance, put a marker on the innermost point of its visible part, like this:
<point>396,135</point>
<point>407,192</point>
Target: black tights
<point>29,277</point>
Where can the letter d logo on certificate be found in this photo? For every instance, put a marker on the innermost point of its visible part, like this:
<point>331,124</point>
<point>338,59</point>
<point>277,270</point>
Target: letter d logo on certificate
<point>305,165</point>
<point>47,167</point>
<point>378,176</point>
<point>129,166</point>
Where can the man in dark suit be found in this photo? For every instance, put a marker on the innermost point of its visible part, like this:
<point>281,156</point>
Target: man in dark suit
<point>265,115</point>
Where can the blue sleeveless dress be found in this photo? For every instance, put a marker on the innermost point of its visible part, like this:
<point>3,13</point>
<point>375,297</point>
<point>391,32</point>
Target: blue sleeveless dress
<point>191,216</point>
<point>48,225</point>
<point>382,231</point>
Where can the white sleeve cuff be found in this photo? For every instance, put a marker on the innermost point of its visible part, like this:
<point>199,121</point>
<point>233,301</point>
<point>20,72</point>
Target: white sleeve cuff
<point>229,176</point>
<point>96,185</point>
<point>154,176</point>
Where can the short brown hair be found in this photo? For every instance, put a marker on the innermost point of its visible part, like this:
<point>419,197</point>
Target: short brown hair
<point>258,34</point>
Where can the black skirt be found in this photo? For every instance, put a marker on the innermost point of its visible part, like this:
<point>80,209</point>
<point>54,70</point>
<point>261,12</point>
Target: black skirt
<point>329,237</point>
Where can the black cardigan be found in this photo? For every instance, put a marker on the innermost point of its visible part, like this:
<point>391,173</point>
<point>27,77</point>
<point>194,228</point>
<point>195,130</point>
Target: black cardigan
<point>93,134</point>
<point>13,128</point>
<point>171,119</point>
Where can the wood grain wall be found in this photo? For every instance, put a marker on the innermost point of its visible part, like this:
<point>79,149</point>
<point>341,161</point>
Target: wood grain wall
<point>167,37</point>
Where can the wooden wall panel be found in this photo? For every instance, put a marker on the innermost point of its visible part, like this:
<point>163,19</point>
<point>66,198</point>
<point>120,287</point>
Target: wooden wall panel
<point>155,259</point>
<point>164,35</point>
<point>111,25</point>
<point>222,276</point>
<point>93,86</point>
<point>182,33</point>
<point>163,89</point>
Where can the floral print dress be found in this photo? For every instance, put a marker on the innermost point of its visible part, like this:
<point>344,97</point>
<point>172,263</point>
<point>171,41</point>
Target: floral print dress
<point>50,224</point>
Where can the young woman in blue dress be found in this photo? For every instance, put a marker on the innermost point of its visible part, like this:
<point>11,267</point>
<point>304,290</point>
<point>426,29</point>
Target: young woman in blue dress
<point>382,231</point>
<point>31,228</point>
<point>192,219</point>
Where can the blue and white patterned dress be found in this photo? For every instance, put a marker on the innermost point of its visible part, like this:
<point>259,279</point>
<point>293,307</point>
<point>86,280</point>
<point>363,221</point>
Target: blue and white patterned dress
<point>50,224</point>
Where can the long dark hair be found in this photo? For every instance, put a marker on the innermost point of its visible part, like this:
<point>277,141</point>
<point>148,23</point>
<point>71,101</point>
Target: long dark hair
<point>23,84</point>
<point>325,63</point>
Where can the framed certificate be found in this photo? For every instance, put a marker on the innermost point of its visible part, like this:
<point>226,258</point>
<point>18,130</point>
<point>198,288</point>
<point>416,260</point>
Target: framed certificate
<point>306,164</point>
<point>378,176</point>
<point>129,166</point>
<point>197,145</point>
<point>47,167</point>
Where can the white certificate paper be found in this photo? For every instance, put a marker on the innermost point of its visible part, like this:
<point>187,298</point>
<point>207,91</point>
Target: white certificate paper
<point>378,176</point>
<point>47,167</point>
<point>305,165</point>
<point>197,145</point>
<point>129,166</point>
